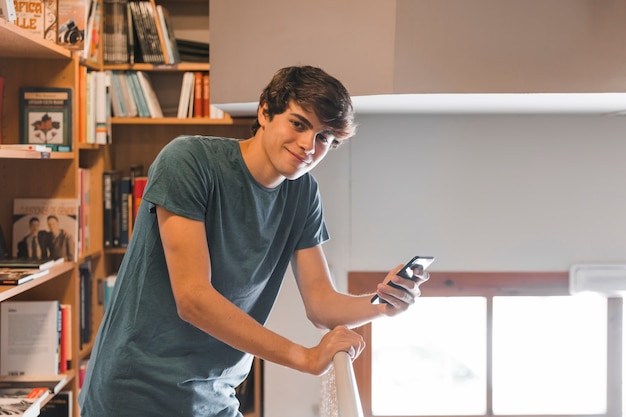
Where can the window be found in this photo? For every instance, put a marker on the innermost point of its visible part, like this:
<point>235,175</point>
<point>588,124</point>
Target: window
<point>482,344</point>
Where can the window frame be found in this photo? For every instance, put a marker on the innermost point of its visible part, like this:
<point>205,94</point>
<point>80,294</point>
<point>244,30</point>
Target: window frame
<point>490,285</point>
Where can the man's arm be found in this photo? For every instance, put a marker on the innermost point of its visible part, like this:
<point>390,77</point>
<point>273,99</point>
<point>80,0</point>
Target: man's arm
<point>198,303</point>
<point>327,308</point>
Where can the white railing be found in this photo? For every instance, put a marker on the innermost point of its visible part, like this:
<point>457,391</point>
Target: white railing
<point>348,399</point>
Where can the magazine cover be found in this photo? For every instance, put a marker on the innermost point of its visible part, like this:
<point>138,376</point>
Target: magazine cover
<point>45,228</point>
<point>46,117</point>
<point>29,15</point>
<point>72,18</point>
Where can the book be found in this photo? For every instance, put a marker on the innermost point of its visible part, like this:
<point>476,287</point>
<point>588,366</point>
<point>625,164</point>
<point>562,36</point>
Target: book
<point>27,147</point>
<point>17,276</point>
<point>206,95</point>
<point>109,200</point>
<point>193,51</point>
<point>22,402</point>
<point>109,284</point>
<point>173,56</point>
<point>150,95</point>
<point>45,228</point>
<point>115,32</point>
<point>46,117</point>
<point>29,15</point>
<point>138,188</point>
<point>197,94</point>
<point>53,382</point>
<point>65,348</point>
<point>124,210</point>
<point>137,93</point>
<point>186,89</point>
<point>72,18</point>
<point>50,26</point>
<point>29,337</point>
<point>103,108</point>
<point>7,10</point>
<point>58,406</point>
<point>30,263</point>
<point>86,293</point>
<point>146,33</point>
<point>24,153</point>
<point>84,210</point>
<point>91,43</point>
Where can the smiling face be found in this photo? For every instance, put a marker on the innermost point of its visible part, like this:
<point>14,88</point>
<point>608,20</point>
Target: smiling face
<point>292,143</point>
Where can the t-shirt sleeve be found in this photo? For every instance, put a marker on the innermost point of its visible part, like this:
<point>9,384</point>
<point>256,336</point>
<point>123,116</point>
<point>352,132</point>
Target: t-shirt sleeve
<point>315,231</point>
<point>179,180</point>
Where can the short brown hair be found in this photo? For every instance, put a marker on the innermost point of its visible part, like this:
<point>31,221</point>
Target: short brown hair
<point>314,90</point>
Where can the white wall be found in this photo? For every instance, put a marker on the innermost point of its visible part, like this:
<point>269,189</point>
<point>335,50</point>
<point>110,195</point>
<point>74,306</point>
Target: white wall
<point>478,192</point>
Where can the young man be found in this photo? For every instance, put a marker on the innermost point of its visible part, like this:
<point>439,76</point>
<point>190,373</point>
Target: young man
<point>219,224</point>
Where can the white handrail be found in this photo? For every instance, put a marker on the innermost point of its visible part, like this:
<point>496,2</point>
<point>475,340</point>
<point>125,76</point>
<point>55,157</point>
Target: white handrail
<point>348,399</point>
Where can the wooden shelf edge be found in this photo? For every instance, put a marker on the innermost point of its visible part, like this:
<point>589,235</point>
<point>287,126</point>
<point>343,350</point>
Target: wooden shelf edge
<point>16,42</point>
<point>8,291</point>
<point>180,67</point>
<point>226,121</point>
<point>19,154</point>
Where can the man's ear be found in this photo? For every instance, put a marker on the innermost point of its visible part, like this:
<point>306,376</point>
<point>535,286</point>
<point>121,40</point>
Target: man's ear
<point>262,114</point>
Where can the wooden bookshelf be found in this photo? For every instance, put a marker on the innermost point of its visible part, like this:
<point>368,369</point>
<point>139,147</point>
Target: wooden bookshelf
<point>29,61</point>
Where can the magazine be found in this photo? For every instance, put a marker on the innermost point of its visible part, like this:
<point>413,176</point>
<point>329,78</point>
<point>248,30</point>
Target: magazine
<point>45,228</point>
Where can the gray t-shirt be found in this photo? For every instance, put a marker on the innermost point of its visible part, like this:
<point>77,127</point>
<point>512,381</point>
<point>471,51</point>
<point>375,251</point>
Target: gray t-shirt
<point>146,361</point>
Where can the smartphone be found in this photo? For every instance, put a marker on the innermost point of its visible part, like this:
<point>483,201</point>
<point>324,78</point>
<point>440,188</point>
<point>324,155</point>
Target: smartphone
<point>422,262</point>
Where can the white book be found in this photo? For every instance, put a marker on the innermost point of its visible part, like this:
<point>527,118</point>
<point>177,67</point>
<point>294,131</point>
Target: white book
<point>103,105</point>
<point>185,90</point>
<point>7,10</point>
<point>29,337</point>
<point>22,402</point>
<point>150,95</point>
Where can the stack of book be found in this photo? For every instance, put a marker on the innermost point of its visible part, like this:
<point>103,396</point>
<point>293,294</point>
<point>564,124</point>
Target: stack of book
<point>17,271</point>
<point>136,31</point>
<point>44,352</point>
<point>121,200</point>
<point>132,95</point>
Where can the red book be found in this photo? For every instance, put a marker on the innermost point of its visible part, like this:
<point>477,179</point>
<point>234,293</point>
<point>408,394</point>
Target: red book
<point>138,187</point>
<point>197,95</point>
<point>65,354</point>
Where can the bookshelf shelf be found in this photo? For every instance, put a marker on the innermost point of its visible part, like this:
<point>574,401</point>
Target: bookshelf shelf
<point>18,43</point>
<point>226,121</point>
<point>10,291</point>
<point>183,66</point>
<point>35,155</point>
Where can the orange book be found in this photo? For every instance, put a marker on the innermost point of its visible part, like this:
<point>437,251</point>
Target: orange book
<point>82,105</point>
<point>206,95</point>
<point>197,95</point>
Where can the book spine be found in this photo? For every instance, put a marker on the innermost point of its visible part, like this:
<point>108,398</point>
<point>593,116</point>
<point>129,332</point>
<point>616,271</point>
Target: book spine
<point>7,10</point>
<point>125,202</point>
<point>138,189</point>
<point>108,212</point>
<point>86,289</point>
<point>197,94</point>
<point>206,95</point>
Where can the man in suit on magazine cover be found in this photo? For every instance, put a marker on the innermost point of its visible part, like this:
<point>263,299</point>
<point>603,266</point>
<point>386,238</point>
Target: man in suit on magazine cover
<point>35,244</point>
<point>220,222</point>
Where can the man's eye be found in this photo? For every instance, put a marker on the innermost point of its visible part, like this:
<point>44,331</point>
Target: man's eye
<point>322,138</point>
